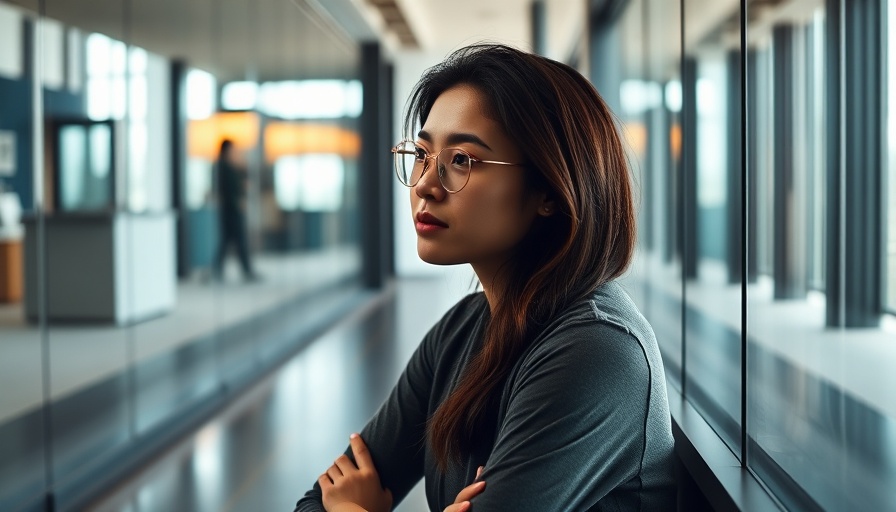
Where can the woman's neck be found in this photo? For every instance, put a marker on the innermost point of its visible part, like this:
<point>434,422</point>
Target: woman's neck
<point>492,286</point>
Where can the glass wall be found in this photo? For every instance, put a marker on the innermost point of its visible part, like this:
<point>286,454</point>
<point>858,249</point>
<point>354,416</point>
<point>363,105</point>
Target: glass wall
<point>650,109</point>
<point>712,213</point>
<point>782,205</point>
<point>144,276</point>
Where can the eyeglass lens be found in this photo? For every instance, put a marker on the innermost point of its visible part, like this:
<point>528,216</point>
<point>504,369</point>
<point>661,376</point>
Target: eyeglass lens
<point>453,166</point>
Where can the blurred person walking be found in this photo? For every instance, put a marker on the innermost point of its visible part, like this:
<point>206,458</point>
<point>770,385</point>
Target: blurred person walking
<point>231,182</point>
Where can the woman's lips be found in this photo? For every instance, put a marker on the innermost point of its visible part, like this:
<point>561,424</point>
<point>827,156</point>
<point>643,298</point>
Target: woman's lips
<point>429,223</point>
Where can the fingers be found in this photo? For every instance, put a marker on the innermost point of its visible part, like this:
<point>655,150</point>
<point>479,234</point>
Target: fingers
<point>334,473</point>
<point>344,464</point>
<point>468,492</point>
<point>463,506</point>
<point>324,482</point>
<point>479,472</point>
<point>362,454</point>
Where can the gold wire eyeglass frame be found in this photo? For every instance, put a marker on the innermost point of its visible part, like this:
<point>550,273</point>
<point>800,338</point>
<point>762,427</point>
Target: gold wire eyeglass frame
<point>399,154</point>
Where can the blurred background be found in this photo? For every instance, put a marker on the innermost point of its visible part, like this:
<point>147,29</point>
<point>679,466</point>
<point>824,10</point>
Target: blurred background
<point>762,143</point>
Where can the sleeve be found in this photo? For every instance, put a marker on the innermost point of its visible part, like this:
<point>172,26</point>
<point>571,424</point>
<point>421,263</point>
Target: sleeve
<point>396,433</point>
<point>575,424</point>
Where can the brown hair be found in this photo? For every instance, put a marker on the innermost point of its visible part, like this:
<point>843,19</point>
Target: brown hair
<point>572,150</point>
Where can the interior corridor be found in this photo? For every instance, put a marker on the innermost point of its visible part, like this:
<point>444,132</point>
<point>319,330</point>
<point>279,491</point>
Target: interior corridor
<point>268,447</point>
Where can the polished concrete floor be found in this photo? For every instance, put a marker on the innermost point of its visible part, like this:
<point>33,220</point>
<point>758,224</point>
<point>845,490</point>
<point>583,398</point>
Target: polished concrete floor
<point>267,448</point>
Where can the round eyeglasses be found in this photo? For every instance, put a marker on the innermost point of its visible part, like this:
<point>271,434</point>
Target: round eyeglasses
<point>453,165</point>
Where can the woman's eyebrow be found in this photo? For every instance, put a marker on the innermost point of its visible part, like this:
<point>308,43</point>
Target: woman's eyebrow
<point>456,138</point>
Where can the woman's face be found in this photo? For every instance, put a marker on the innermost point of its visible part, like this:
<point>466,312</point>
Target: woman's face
<point>483,222</point>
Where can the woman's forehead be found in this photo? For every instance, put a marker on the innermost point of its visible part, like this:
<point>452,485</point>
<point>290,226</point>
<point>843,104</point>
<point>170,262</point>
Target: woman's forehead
<point>459,110</point>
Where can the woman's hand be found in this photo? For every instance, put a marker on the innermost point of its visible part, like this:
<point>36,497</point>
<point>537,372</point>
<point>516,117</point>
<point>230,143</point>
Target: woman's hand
<point>462,501</point>
<point>349,487</point>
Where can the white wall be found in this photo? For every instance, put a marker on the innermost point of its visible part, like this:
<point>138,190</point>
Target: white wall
<point>10,42</point>
<point>565,27</point>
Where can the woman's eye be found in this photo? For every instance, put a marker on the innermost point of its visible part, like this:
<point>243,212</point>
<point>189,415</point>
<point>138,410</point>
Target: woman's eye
<point>460,159</point>
<point>420,154</point>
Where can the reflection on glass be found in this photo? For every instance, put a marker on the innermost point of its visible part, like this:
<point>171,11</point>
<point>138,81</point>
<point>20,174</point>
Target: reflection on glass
<point>310,99</point>
<point>106,78</point>
<point>72,167</point>
<point>201,94</point>
<point>820,406</point>
<point>22,447</point>
<point>100,156</point>
<point>713,221</point>
<point>84,165</point>
<point>650,106</point>
<point>198,183</point>
<point>312,183</point>
<point>106,105</point>
<point>239,96</point>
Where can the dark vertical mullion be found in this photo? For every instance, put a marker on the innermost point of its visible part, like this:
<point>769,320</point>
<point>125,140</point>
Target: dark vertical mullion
<point>680,203</point>
<point>178,137</point>
<point>864,158</point>
<point>734,205</point>
<point>646,229</point>
<point>538,23</point>
<point>31,56</point>
<point>650,177</point>
<point>751,148</point>
<point>689,250</point>
<point>743,66</point>
<point>370,167</point>
<point>386,174</point>
<point>789,282</point>
<point>854,99</point>
<point>670,203</point>
<point>833,153</point>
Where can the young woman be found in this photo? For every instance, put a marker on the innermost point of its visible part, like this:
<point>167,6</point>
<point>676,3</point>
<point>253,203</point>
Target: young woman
<point>546,390</point>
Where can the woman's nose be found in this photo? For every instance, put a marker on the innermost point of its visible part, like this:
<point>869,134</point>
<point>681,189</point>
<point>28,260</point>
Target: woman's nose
<point>429,186</point>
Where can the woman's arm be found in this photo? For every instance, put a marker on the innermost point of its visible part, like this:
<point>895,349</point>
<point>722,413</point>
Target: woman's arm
<point>575,424</point>
<point>351,486</point>
<point>395,435</point>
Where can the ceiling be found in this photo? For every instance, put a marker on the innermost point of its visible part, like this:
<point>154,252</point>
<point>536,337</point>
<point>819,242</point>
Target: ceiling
<point>288,39</point>
<point>294,39</point>
<point>233,39</point>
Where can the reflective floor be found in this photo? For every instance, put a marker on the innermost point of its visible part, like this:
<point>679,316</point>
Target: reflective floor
<point>263,451</point>
<point>266,449</point>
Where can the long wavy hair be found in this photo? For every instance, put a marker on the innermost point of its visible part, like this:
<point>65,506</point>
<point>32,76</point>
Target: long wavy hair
<point>572,151</point>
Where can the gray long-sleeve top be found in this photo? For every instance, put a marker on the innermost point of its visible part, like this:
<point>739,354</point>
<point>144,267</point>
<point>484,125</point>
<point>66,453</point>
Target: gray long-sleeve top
<point>582,422</point>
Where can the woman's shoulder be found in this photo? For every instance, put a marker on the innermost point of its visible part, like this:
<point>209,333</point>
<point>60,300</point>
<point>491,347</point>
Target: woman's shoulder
<point>607,306</point>
<point>603,323</point>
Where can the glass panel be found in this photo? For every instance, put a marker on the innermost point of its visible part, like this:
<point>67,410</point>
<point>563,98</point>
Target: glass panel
<point>713,262</point>
<point>175,364</point>
<point>136,333</point>
<point>819,395</point>
<point>650,108</point>
<point>22,359</point>
<point>87,310</point>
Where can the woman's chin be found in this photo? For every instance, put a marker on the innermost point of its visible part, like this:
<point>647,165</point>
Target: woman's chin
<point>437,259</point>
